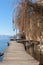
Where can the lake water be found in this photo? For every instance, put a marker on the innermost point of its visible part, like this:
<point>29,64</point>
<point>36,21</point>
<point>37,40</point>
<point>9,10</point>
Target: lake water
<point>3,44</point>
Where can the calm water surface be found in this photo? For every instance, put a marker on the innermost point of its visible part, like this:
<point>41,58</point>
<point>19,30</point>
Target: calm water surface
<point>3,44</point>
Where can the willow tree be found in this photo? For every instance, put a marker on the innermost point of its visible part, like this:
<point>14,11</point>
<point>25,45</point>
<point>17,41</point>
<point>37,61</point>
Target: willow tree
<point>29,18</point>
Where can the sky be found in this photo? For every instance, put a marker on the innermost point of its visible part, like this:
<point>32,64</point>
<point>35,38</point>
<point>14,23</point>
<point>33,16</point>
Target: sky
<point>6,7</point>
<point>5,18</point>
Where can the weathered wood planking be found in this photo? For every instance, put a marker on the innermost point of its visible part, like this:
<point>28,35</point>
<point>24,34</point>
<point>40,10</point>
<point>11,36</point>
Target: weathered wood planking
<point>16,55</point>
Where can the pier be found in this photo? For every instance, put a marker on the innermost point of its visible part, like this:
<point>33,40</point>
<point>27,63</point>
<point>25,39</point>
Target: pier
<point>15,54</point>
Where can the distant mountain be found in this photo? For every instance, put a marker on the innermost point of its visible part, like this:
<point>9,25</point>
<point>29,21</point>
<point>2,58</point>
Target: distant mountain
<point>5,36</point>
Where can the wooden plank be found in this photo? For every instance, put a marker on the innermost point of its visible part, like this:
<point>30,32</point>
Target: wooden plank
<point>16,55</point>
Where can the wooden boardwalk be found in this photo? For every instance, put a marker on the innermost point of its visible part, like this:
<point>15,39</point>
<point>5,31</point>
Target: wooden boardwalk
<point>16,55</point>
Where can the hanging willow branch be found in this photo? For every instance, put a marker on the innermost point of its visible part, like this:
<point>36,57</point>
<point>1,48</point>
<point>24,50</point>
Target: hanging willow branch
<point>29,18</point>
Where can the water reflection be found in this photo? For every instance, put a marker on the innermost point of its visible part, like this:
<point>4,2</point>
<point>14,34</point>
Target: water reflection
<point>3,46</point>
<point>1,58</point>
